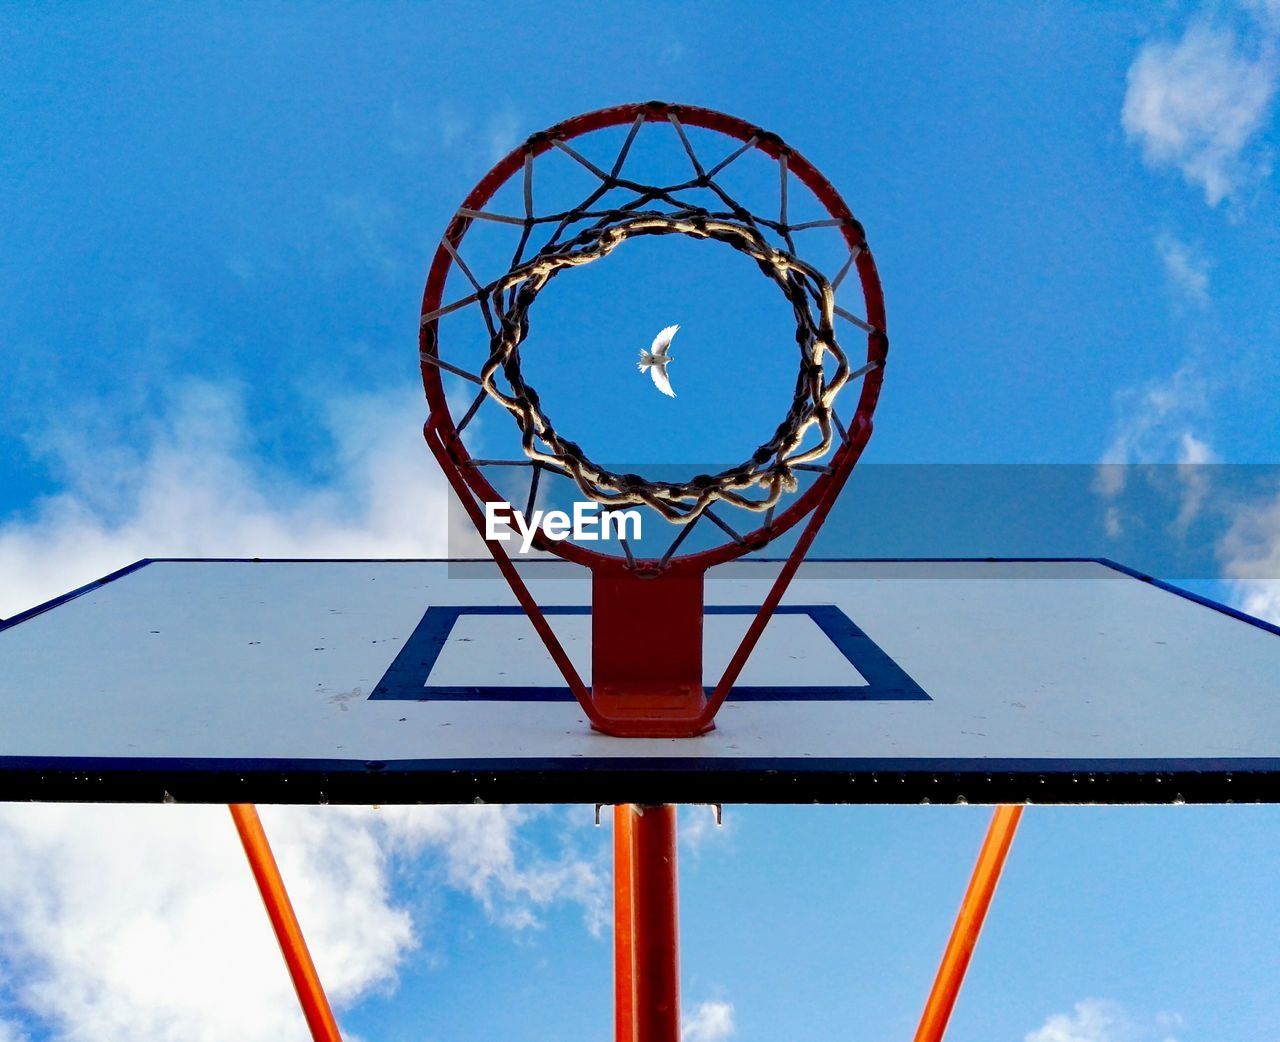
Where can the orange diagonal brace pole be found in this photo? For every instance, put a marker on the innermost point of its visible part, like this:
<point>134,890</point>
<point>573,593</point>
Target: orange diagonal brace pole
<point>306,982</point>
<point>964,935</point>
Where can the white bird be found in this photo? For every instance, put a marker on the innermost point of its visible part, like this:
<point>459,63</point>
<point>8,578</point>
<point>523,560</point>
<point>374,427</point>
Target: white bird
<point>655,360</point>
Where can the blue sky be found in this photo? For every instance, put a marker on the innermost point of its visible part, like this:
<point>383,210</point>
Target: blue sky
<point>215,224</point>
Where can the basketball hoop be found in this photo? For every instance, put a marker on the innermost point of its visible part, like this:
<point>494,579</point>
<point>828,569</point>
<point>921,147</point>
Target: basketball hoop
<point>633,692</point>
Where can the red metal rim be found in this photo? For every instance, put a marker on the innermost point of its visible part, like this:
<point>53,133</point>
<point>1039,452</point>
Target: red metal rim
<point>859,427</point>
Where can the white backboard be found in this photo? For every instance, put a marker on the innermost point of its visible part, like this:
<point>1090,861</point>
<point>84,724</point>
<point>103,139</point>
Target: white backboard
<point>419,681</point>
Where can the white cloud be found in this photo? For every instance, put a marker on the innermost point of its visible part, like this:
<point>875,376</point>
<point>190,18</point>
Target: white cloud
<point>489,137</point>
<point>672,51</point>
<point>1155,425</point>
<point>1154,422</point>
<point>142,922</point>
<point>368,229</point>
<point>710,1021</point>
<point>1250,550</point>
<point>1113,520</point>
<point>190,484</point>
<point>1193,479</point>
<point>1199,104</point>
<point>698,827</point>
<point>1188,273</point>
<point>502,134</point>
<point>1100,1020</point>
<point>1267,12</point>
<point>483,848</point>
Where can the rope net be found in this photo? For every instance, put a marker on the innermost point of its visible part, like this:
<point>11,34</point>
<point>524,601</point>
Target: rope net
<point>589,232</point>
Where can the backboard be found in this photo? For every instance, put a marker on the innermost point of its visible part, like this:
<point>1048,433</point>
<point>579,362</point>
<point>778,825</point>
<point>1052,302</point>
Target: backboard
<point>422,682</point>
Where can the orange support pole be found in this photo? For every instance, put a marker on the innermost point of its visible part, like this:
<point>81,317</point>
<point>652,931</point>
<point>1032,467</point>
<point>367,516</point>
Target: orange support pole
<point>624,955</point>
<point>266,873</point>
<point>964,935</point>
<point>656,926</point>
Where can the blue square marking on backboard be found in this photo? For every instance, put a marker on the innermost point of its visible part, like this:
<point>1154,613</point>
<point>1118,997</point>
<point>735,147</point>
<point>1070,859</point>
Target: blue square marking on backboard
<point>406,678</point>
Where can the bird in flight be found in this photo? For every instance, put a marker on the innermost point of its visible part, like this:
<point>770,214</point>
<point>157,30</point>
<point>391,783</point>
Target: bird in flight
<point>655,360</point>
